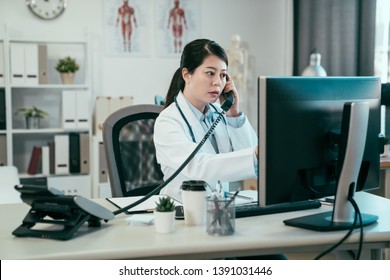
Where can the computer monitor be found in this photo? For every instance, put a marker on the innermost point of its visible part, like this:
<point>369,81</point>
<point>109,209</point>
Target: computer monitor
<point>302,144</point>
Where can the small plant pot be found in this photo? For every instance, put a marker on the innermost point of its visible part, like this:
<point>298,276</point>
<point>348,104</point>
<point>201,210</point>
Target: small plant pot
<point>164,222</point>
<point>32,123</point>
<point>67,78</point>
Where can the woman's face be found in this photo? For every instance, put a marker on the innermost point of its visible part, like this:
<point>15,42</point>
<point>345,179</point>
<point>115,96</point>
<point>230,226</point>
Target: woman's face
<point>206,83</point>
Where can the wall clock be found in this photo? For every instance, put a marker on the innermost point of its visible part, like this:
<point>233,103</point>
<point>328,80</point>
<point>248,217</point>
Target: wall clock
<point>47,9</point>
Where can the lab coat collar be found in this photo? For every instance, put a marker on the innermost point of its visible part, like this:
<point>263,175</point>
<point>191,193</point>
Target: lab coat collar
<point>221,130</point>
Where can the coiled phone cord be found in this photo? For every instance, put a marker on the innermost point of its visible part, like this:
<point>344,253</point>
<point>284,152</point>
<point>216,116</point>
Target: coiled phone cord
<point>225,107</point>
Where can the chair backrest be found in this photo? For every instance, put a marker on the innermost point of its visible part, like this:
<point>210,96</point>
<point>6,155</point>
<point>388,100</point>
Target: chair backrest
<point>131,157</point>
<point>9,177</point>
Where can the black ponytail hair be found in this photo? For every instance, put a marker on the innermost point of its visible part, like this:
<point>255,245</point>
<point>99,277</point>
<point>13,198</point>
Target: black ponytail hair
<point>192,57</point>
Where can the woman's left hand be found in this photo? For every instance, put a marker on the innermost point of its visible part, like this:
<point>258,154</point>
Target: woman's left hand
<point>234,111</point>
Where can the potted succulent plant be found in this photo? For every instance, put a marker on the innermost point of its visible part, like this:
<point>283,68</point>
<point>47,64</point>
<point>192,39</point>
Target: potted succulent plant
<point>32,115</point>
<point>164,215</point>
<point>67,67</point>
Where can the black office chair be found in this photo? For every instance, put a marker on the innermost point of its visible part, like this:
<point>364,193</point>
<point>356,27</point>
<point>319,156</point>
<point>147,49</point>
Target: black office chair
<point>128,140</point>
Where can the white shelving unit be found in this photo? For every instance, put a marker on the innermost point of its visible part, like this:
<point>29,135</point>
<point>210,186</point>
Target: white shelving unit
<point>43,88</point>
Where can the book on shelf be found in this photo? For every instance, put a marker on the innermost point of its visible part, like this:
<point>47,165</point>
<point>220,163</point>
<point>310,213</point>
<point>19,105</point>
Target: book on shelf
<point>34,160</point>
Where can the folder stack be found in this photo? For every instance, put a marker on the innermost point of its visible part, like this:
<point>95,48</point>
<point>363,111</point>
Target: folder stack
<point>24,64</point>
<point>75,109</point>
<point>105,106</point>
<point>65,154</point>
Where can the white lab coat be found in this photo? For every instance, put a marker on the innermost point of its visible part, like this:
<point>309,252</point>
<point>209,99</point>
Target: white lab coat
<point>174,144</point>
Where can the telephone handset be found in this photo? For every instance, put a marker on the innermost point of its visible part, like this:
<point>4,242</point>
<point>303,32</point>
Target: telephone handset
<point>229,100</point>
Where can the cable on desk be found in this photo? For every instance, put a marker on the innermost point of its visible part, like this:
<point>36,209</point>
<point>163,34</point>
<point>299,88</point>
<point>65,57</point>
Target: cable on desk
<point>357,215</point>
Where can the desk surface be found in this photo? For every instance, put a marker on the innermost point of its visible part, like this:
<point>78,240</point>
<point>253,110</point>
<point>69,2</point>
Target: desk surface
<point>255,235</point>
<point>385,162</point>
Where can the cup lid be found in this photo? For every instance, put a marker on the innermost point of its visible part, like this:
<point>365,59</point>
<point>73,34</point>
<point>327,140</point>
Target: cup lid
<point>193,185</point>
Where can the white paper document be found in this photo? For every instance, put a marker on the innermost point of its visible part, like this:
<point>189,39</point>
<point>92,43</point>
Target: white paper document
<point>245,197</point>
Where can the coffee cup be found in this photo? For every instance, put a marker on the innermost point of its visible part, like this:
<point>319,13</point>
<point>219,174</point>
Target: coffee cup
<point>194,194</point>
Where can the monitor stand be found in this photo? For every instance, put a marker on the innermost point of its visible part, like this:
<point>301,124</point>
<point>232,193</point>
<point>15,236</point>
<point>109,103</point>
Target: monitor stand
<point>324,222</point>
<point>351,149</point>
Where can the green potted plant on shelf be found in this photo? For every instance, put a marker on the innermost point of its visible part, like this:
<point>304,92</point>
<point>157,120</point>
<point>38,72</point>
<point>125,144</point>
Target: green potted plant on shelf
<point>67,67</point>
<point>164,215</point>
<point>32,115</point>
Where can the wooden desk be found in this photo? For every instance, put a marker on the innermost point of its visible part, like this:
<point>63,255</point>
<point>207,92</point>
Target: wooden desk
<point>254,236</point>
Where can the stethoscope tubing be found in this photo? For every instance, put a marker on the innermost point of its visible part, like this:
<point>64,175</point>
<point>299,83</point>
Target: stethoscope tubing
<point>190,128</point>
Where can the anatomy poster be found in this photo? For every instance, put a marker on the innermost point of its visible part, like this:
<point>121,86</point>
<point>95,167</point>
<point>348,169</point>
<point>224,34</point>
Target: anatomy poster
<point>127,25</point>
<point>178,22</point>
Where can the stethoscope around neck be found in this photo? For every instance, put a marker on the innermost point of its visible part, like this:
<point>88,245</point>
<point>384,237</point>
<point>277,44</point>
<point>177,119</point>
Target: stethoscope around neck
<point>190,128</point>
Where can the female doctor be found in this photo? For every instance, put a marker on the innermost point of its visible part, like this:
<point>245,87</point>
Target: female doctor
<point>191,106</point>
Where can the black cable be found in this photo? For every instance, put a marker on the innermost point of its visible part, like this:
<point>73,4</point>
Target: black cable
<point>357,210</point>
<point>184,164</point>
<point>357,215</point>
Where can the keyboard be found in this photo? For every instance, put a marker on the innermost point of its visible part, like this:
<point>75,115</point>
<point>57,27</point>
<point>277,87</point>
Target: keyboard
<point>250,210</point>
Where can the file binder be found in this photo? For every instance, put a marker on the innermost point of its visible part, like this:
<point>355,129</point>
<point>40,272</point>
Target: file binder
<point>2,65</point>
<point>103,177</point>
<point>51,157</point>
<point>69,109</point>
<point>45,160</point>
<point>74,153</point>
<point>2,110</point>
<point>101,113</point>
<point>114,104</point>
<point>84,153</point>
<point>3,150</point>
<point>42,65</point>
<point>17,64</point>
<point>24,64</point>
<point>125,101</point>
<point>61,151</point>
<point>31,64</point>
<point>106,105</point>
<point>82,109</point>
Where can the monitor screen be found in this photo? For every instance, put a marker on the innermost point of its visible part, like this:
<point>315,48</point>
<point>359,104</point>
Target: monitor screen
<point>299,126</point>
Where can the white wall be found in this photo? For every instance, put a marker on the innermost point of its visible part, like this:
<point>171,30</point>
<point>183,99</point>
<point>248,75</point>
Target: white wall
<point>264,26</point>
